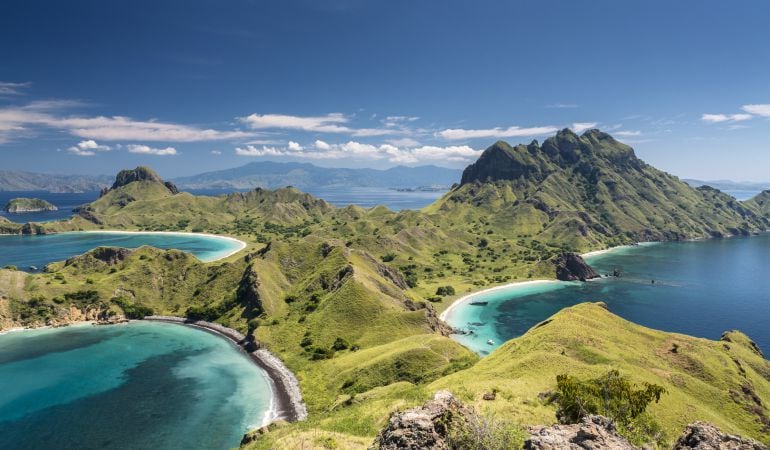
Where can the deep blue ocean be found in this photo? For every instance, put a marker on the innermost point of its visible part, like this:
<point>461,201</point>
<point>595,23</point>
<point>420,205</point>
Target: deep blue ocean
<point>141,385</point>
<point>701,288</point>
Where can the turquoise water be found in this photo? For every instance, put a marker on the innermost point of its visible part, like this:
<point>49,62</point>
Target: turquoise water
<point>701,288</point>
<point>26,251</point>
<point>139,385</point>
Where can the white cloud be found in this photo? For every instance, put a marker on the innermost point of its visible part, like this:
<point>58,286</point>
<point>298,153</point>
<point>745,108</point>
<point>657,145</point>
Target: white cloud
<point>216,152</point>
<point>8,88</point>
<point>330,123</point>
<point>88,148</point>
<point>15,121</point>
<point>147,150</point>
<point>561,105</point>
<point>758,109</point>
<point>458,133</point>
<point>627,133</point>
<point>403,142</point>
<point>251,150</point>
<point>579,127</point>
<point>295,147</point>
<point>398,121</point>
<point>353,150</point>
<point>718,118</point>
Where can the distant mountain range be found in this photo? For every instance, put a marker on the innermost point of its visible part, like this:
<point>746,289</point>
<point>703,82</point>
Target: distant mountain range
<point>272,175</point>
<point>729,185</point>
<point>265,174</point>
<point>29,181</point>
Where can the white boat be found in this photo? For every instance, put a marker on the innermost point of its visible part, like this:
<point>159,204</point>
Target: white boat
<point>491,342</point>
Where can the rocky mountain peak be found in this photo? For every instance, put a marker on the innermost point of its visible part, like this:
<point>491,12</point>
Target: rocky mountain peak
<point>141,173</point>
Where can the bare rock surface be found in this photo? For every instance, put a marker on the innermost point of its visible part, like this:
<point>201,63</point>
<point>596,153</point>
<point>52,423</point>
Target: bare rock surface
<point>704,436</point>
<point>594,433</point>
<point>423,427</point>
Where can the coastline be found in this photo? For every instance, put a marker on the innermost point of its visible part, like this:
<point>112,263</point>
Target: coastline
<point>444,314</point>
<point>241,245</point>
<point>286,398</point>
<point>465,298</point>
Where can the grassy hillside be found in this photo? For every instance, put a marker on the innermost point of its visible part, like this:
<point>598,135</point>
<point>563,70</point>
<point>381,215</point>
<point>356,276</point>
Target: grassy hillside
<point>590,191</point>
<point>348,297</point>
<point>724,382</point>
<point>761,202</point>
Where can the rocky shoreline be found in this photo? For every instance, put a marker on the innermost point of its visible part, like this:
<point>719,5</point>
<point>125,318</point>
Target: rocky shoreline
<point>288,405</point>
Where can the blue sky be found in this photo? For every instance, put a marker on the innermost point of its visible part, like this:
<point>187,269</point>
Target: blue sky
<point>192,86</point>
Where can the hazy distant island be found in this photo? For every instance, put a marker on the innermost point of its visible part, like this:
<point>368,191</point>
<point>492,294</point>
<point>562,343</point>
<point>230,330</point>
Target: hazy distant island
<point>263,174</point>
<point>305,176</point>
<point>26,205</point>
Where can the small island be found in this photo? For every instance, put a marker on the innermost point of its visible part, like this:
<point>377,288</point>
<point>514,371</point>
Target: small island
<point>26,205</point>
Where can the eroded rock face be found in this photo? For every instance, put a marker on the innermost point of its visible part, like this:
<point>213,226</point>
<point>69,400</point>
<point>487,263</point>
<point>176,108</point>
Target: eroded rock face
<point>571,267</point>
<point>423,427</point>
<point>704,436</point>
<point>594,433</point>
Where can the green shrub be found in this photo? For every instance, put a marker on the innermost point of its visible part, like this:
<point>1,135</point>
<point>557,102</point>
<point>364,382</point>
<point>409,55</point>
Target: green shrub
<point>613,396</point>
<point>610,395</point>
<point>132,310</point>
<point>388,258</point>
<point>445,290</point>
<point>340,344</point>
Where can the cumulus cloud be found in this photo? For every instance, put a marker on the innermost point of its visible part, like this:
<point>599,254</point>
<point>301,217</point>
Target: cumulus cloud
<point>330,123</point>
<point>362,151</point>
<point>758,109</point>
<point>498,132</point>
<point>88,148</point>
<point>147,150</point>
<point>718,118</point>
<point>579,127</point>
<point>295,147</point>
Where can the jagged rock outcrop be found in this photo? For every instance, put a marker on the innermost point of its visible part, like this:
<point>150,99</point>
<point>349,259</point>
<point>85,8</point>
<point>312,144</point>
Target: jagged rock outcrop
<point>594,433</point>
<point>572,267</point>
<point>423,427</point>
<point>141,173</point>
<point>704,436</point>
<point>107,255</point>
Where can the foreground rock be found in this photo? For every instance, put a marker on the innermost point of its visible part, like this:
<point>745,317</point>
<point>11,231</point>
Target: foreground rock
<point>595,432</point>
<point>572,267</point>
<point>423,427</point>
<point>704,436</point>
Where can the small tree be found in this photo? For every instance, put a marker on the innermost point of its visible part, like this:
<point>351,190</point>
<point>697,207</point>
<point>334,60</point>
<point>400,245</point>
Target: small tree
<point>611,395</point>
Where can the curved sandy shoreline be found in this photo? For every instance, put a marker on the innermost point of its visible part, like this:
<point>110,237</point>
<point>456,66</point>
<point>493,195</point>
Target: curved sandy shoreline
<point>286,398</point>
<point>465,298</point>
<point>240,243</point>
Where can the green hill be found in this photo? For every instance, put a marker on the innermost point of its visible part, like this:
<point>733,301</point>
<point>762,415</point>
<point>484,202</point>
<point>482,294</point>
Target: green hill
<point>761,202</point>
<point>591,191</point>
<point>348,297</point>
<point>21,205</point>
